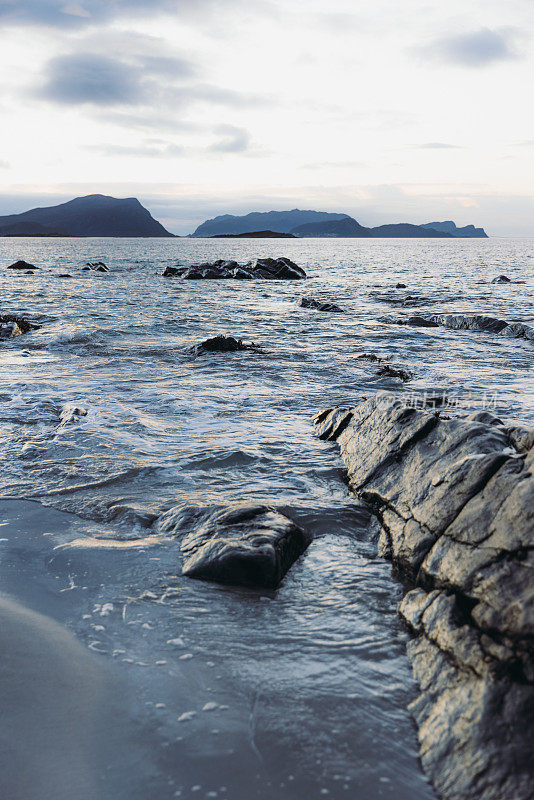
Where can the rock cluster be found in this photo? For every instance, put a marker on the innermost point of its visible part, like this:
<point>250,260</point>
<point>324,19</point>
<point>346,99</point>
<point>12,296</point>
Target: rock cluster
<point>309,302</point>
<point>455,499</point>
<point>263,268</point>
<point>245,545</point>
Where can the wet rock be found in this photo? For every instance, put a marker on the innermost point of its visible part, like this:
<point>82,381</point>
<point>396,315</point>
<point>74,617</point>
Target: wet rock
<point>242,545</point>
<point>369,357</point>
<point>12,325</point>
<point>392,372</point>
<point>416,321</point>
<point>98,266</point>
<point>64,275</point>
<point>261,268</point>
<point>22,265</point>
<point>501,279</point>
<point>455,499</point>
<point>309,302</point>
<point>400,286</point>
<point>29,272</point>
<point>467,322</point>
<point>224,344</point>
<point>71,413</point>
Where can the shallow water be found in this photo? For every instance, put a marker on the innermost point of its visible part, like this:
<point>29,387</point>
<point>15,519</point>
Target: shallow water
<point>314,675</point>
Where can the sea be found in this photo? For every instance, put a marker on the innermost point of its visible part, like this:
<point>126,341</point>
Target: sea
<point>109,417</point>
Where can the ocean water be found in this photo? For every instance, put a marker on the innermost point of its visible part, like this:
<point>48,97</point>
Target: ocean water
<point>306,689</point>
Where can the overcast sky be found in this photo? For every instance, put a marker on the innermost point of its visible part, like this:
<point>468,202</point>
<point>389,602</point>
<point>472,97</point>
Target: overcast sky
<point>389,110</point>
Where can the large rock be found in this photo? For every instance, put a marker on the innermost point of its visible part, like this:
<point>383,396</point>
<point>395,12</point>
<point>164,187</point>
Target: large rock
<point>223,344</point>
<point>261,268</point>
<point>455,498</point>
<point>246,545</point>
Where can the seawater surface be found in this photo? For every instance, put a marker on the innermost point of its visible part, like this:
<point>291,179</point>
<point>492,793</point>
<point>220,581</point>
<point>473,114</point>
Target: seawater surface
<point>235,694</point>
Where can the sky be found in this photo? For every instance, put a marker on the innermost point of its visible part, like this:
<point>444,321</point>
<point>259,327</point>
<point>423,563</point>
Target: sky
<point>390,111</point>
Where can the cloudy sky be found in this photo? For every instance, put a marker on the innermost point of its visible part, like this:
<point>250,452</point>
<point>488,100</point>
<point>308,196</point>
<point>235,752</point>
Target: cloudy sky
<point>390,110</point>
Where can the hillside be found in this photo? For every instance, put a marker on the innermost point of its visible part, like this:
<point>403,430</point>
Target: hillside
<point>279,221</point>
<point>346,227</point>
<point>94,215</point>
<point>467,232</point>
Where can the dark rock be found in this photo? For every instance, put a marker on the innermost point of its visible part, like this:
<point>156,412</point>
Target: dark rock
<point>242,545</point>
<point>309,302</point>
<point>416,321</point>
<point>264,268</point>
<point>392,372</point>
<point>86,269</point>
<point>12,325</point>
<point>224,344</point>
<point>501,279</point>
<point>481,323</point>
<point>29,272</point>
<point>22,265</point>
<point>400,286</point>
<point>369,357</point>
<point>64,275</point>
<point>455,499</point>
<point>98,266</point>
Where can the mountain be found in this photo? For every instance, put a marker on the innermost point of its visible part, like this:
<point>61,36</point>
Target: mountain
<point>468,231</point>
<point>279,221</point>
<point>94,215</point>
<point>346,227</point>
<point>403,230</point>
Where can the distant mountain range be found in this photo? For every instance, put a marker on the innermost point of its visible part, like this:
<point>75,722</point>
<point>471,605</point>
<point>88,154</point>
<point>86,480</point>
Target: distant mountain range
<point>100,215</point>
<point>325,224</point>
<point>94,215</point>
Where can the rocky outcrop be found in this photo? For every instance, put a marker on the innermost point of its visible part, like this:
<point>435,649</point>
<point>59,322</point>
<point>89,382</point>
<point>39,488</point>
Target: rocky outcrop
<point>262,268</point>
<point>97,266</point>
<point>223,344</point>
<point>455,499</point>
<point>468,322</point>
<point>12,325</point>
<point>22,265</point>
<point>245,545</point>
<point>309,302</point>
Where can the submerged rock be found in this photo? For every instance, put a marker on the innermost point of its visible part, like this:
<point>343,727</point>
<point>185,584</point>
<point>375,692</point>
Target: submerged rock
<point>392,372</point>
<point>467,322</point>
<point>501,279</point>
<point>224,344</point>
<point>455,498</point>
<point>22,265</point>
<point>369,357</point>
<point>309,302</point>
<point>262,268</point>
<point>243,545</point>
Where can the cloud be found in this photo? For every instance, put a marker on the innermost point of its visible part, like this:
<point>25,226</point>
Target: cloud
<point>86,78</point>
<point>148,150</point>
<point>235,140</point>
<point>4,164</point>
<point>474,49</point>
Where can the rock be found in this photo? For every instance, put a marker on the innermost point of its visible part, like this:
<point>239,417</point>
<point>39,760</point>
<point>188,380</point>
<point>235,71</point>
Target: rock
<point>29,272</point>
<point>98,266</point>
<point>416,321</point>
<point>11,325</point>
<point>224,344</point>
<point>22,265</point>
<point>455,499</point>
<point>468,322</point>
<point>309,302</point>
<point>400,286</point>
<point>245,545</point>
<point>64,275</point>
<point>262,268</point>
<point>392,372</point>
<point>501,279</point>
<point>71,413</point>
<point>369,357</point>
<point>86,269</point>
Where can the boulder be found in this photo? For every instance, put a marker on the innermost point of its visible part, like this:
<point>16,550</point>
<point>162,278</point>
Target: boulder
<point>455,499</point>
<point>241,545</point>
<point>223,344</point>
<point>400,286</point>
<point>467,322</point>
<point>22,265</point>
<point>261,268</point>
<point>309,302</point>
<point>11,325</point>
<point>501,279</point>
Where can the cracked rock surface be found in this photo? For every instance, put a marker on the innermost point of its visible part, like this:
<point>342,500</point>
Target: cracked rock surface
<point>455,499</point>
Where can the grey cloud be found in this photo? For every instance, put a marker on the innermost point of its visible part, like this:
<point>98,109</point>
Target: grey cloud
<point>86,78</point>
<point>168,66</point>
<point>235,140</point>
<point>474,49</point>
